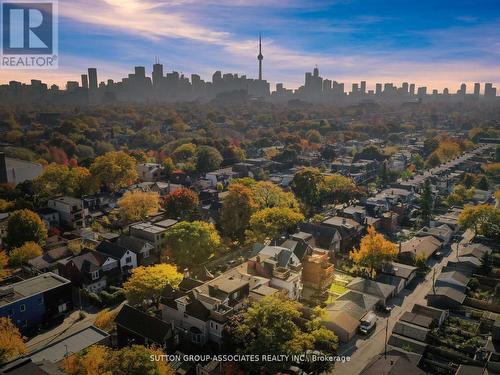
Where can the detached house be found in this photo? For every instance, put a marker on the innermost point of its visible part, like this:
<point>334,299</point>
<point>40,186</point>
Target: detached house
<point>143,250</point>
<point>71,211</point>
<point>126,258</point>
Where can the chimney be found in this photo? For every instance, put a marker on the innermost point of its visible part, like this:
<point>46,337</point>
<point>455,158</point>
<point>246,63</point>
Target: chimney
<point>3,169</point>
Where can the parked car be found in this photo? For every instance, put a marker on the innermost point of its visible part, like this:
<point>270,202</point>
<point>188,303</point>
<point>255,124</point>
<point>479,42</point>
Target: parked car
<point>368,323</point>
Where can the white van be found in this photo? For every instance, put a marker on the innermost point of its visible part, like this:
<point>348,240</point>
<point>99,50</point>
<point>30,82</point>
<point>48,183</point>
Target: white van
<point>368,323</point>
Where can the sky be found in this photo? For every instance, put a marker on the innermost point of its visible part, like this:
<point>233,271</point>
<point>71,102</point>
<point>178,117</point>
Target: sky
<point>434,43</point>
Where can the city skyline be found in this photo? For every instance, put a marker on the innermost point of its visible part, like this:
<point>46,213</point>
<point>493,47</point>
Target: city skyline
<point>434,45</point>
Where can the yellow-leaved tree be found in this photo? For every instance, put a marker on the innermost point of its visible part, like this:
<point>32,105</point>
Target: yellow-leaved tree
<point>373,250</point>
<point>11,342</point>
<point>22,254</point>
<point>147,283</point>
<point>138,205</point>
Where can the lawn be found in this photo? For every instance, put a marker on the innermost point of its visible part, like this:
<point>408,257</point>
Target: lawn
<point>336,289</point>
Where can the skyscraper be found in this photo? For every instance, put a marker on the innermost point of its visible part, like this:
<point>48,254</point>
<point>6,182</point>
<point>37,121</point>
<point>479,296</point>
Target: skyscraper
<point>93,78</point>
<point>85,81</point>
<point>362,88</point>
<point>157,72</point>
<point>477,89</point>
<point>412,89</point>
<point>260,57</point>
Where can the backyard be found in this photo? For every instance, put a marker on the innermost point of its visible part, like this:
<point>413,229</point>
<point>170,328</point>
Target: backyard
<point>338,286</point>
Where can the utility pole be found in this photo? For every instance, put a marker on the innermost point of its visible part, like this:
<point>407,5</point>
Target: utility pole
<point>386,334</point>
<point>434,280</point>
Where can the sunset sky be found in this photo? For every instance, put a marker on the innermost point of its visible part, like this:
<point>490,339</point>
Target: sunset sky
<point>437,43</point>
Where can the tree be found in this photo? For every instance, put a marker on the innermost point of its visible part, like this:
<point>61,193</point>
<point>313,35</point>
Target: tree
<point>24,226</point>
<point>271,222</point>
<point>4,261</point>
<point>114,170</point>
<point>237,208</point>
<point>138,205</point>
<point>20,255</point>
<point>208,159</point>
<point>427,202</point>
<point>147,283</point>
<point>483,218</point>
<point>130,360</point>
<point>268,195</point>
<point>483,183</point>
<point>104,320</point>
<point>11,342</point>
<point>313,136</point>
<point>182,203</point>
<point>269,326</point>
<point>340,189</point>
<point>184,153</point>
<point>373,250</point>
<point>430,145</point>
<point>307,184</point>
<point>192,243</point>
<point>486,264</point>
<point>233,155</point>
<point>6,206</point>
<point>433,161</point>
<point>168,167</point>
<point>459,195</point>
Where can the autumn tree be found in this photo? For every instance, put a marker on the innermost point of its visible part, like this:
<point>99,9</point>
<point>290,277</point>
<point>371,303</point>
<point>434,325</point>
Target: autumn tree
<point>168,167</point>
<point>307,184</point>
<point>459,195</point>
<point>147,283</point>
<point>138,205</point>
<point>340,189</point>
<point>58,179</point>
<point>182,203</point>
<point>184,153</point>
<point>11,342</point>
<point>24,226</point>
<point>4,261</point>
<point>237,208</point>
<point>483,219</point>
<point>104,319</point>
<point>270,326</point>
<point>207,159</point>
<point>20,255</point>
<point>269,195</point>
<point>271,222</point>
<point>232,155</point>
<point>192,243</point>
<point>114,170</point>
<point>373,250</point>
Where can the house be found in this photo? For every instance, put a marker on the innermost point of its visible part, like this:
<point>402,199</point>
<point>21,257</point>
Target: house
<point>318,235</point>
<point>317,271</point>
<point>423,247</point>
<point>35,301</point>
<point>365,301</point>
<point>23,366</point>
<point>149,172</point>
<point>357,213</point>
<point>400,270</point>
<point>47,262</point>
<point>446,298</point>
<point>137,327</point>
<point>382,291</point>
<point>349,229</point>
<point>144,251</point>
<point>443,233</point>
<point>396,362</point>
<point>450,219</point>
<point>466,265</point>
<point>343,324</point>
<point>397,282</point>
<point>90,270</point>
<point>453,279</point>
<point>476,250</point>
<point>71,211</point>
<point>154,233</point>
<point>14,171</point>
<point>49,216</point>
<point>126,258</point>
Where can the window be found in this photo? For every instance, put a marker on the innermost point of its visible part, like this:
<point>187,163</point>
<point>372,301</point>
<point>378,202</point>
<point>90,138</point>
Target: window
<point>196,338</point>
<point>145,254</point>
<point>128,260</point>
<point>95,275</point>
<point>62,307</point>
<point>22,308</point>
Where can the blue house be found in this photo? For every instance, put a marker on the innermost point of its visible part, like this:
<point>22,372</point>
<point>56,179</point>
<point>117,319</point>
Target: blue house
<point>33,302</point>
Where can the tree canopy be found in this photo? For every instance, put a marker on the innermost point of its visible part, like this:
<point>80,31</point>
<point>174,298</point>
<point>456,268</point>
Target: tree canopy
<point>483,219</point>
<point>138,205</point>
<point>271,222</point>
<point>11,342</point>
<point>114,170</point>
<point>20,255</point>
<point>182,203</point>
<point>24,226</point>
<point>237,208</point>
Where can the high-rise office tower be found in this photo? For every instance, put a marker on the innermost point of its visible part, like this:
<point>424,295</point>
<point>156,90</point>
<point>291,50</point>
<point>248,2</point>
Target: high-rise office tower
<point>378,89</point>
<point>157,72</point>
<point>85,81</point>
<point>446,92</point>
<point>362,87</point>
<point>260,57</point>
<point>412,89</point>
<point>92,78</point>
<point>489,90</point>
<point>463,89</point>
<point>355,89</point>
<point>327,86</point>
<point>140,72</point>
<point>404,88</point>
<point>422,91</point>
<point>477,89</point>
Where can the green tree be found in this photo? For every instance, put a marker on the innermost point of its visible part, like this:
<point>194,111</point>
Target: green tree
<point>268,195</point>
<point>483,219</point>
<point>307,184</point>
<point>271,222</point>
<point>184,153</point>
<point>483,183</point>
<point>168,167</point>
<point>340,189</point>
<point>182,203</point>
<point>208,159</point>
<point>237,208</point>
<point>147,283</point>
<point>433,161</point>
<point>270,326</point>
<point>427,202</point>
<point>114,170</point>
<point>24,226</point>
<point>192,243</point>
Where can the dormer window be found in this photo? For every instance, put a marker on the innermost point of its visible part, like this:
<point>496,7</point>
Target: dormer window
<point>94,275</point>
